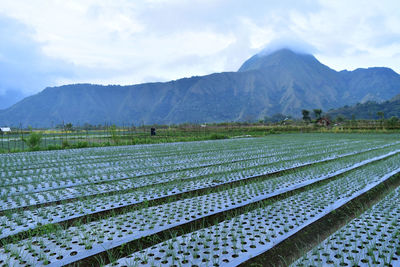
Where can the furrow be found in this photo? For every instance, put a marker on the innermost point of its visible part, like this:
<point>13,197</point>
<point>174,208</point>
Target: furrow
<point>73,194</point>
<point>127,228</point>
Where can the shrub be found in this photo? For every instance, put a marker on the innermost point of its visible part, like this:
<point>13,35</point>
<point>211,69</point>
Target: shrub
<point>218,136</point>
<point>53,147</point>
<point>64,144</point>
<point>81,144</point>
<point>33,141</point>
<point>114,134</point>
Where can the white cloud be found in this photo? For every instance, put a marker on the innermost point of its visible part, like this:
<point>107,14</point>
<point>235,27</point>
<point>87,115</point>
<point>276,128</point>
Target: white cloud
<point>126,42</point>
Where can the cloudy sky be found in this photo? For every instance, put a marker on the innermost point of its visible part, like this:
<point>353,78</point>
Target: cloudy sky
<point>47,43</point>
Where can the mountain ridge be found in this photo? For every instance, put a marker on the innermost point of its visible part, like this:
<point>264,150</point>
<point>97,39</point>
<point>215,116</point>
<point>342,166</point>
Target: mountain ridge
<point>368,110</point>
<point>281,82</point>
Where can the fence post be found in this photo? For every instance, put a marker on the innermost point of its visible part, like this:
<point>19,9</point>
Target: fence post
<point>45,141</point>
<point>8,142</point>
<point>15,141</point>
<point>22,137</point>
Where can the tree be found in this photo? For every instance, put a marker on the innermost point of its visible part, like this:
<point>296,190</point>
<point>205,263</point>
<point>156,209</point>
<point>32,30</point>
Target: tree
<point>114,134</point>
<point>317,113</point>
<point>33,141</point>
<point>68,126</point>
<point>306,115</point>
<point>393,121</point>
<point>381,115</point>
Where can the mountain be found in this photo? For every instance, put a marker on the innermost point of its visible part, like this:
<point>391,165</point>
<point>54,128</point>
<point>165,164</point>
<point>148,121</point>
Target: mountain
<point>266,84</point>
<point>369,110</point>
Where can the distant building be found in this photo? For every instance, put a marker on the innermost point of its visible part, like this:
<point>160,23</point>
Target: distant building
<point>323,122</point>
<point>4,130</point>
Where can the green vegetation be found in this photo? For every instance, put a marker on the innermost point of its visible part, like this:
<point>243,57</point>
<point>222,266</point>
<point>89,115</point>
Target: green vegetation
<point>175,203</point>
<point>317,113</point>
<point>100,136</point>
<point>114,135</point>
<point>33,141</point>
<point>306,115</point>
<point>370,110</point>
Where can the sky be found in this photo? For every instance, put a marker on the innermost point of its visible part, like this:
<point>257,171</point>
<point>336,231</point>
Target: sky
<point>49,43</point>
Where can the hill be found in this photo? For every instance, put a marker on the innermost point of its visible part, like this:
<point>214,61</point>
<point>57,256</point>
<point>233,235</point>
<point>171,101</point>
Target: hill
<point>281,82</point>
<point>369,110</point>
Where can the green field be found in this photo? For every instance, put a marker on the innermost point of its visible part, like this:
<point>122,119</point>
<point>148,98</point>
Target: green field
<point>314,198</point>
<point>100,136</point>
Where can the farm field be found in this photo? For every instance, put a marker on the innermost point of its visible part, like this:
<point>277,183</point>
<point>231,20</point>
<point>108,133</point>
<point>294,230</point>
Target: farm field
<point>299,199</point>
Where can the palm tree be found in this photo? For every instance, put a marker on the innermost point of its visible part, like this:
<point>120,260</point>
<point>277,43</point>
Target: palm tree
<point>306,115</point>
<point>317,113</point>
